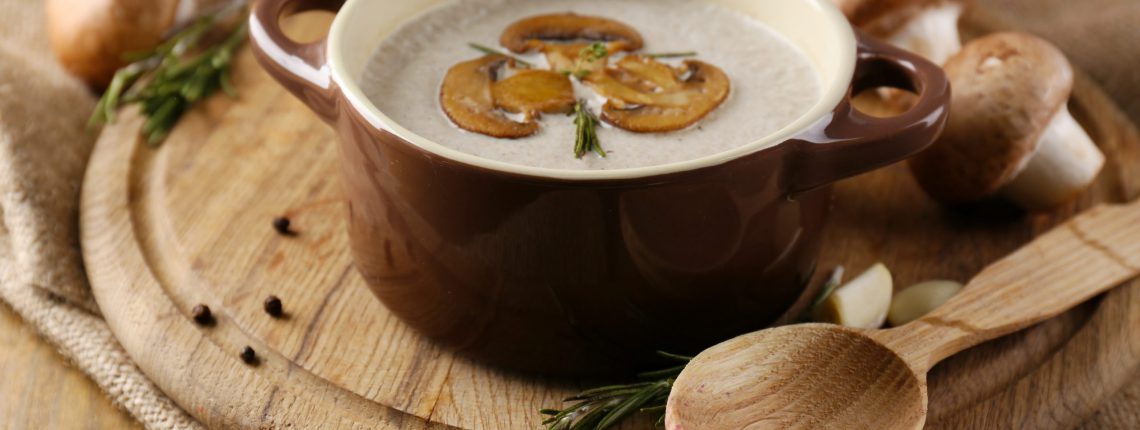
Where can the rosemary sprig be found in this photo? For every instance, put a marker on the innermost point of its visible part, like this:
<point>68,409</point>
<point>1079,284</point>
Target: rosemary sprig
<point>604,407</point>
<point>167,80</point>
<point>586,136</point>
<point>672,54</point>
<point>492,51</point>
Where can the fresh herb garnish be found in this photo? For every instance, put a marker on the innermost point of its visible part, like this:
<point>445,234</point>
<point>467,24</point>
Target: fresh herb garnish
<point>586,136</point>
<point>491,51</point>
<point>596,51</point>
<point>672,54</point>
<point>604,407</point>
<point>589,54</point>
<point>167,80</point>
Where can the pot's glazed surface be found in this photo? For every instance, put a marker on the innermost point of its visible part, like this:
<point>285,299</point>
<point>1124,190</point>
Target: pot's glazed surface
<point>571,273</point>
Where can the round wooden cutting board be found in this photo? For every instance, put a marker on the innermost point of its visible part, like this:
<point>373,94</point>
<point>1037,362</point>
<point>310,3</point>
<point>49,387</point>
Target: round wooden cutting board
<point>164,229</point>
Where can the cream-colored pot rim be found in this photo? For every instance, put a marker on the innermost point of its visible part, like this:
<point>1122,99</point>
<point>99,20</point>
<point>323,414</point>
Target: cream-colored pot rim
<point>819,20</point>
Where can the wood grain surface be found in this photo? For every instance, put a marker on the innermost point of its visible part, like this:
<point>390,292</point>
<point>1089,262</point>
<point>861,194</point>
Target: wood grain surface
<point>1098,35</point>
<point>189,223</point>
<point>38,390</point>
<point>830,376</point>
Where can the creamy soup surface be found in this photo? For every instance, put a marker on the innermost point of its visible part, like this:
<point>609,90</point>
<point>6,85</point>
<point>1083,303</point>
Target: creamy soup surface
<point>773,83</point>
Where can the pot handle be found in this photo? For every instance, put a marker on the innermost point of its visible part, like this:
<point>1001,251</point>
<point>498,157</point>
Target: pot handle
<point>302,68</point>
<point>851,142</point>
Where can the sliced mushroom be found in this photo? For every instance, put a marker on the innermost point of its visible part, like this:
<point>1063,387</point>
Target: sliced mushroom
<point>926,27</point>
<point>529,34</point>
<point>467,98</point>
<point>644,97</point>
<point>1010,132</point>
<point>575,59</point>
<point>646,74</point>
<point>532,92</point>
<point>638,81</point>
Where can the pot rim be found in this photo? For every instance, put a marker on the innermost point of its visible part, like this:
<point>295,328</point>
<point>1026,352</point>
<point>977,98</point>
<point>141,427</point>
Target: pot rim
<point>832,94</point>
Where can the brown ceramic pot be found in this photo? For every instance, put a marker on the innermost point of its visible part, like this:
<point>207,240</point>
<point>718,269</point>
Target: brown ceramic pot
<point>585,271</point>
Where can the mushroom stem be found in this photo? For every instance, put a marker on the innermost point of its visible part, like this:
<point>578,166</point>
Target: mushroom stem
<point>1066,162</point>
<point>932,33</point>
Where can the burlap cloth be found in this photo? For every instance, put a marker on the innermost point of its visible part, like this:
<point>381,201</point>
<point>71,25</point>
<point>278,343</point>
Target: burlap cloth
<point>43,152</point>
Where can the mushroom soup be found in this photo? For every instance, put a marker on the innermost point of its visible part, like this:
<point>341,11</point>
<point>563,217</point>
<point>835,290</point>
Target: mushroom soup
<point>589,72</point>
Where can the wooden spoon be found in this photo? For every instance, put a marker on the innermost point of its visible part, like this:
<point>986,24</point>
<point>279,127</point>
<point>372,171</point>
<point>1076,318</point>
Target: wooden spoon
<point>828,376</point>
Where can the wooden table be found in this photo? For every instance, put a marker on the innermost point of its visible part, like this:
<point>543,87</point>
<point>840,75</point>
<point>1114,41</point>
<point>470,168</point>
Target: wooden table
<point>39,390</point>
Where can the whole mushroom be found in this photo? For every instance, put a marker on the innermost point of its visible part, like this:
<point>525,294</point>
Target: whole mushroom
<point>926,27</point>
<point>1010,131</point>
<point>90,37</point>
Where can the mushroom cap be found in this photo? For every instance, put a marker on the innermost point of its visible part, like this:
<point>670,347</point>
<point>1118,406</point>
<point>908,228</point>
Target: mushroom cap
<point>650,97</point>
<point>883,17</point>
<point>1007,87</point>
<point>527,34</point>
<point>467,97</point>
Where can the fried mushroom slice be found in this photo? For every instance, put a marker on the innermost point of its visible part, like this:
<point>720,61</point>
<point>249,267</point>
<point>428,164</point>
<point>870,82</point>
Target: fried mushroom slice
<point>576,59</point>
<point>467,98</point>
<point>530,34</point>
<point>646,74</point>
<point>644,97</point>
<point>638,80</point>
<point>532,92</point>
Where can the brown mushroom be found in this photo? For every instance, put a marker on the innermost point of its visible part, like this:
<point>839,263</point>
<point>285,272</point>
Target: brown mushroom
<point>1010,131</point>
<point>577,59</point>
<point>646,96</point>
<point>926,27</point>
<point>530,34</point>
<point>636,81</point>
<point>532,92</point>
<point>467,98</point>
<point>90,37</point>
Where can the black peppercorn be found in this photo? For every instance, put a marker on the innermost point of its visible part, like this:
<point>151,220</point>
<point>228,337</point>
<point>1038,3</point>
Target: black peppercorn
<point>202,315</point>
<point>281,224</point>
<point>273,306</point>
<point>249,356</point>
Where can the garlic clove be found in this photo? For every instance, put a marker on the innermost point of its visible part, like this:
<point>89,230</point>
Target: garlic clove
<point>861,303</point>
<point>919,299</point>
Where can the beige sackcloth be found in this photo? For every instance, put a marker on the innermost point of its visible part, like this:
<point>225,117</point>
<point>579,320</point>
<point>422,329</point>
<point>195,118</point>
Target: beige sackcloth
<point>43,153</point>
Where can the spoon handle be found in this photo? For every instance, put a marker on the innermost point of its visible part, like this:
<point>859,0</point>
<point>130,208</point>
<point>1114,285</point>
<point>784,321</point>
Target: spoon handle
<point>1074,262</point>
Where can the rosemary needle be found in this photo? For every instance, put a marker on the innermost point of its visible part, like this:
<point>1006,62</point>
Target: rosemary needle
<point>604,407</point>
<point>491,51</point>
<point>672,54</point>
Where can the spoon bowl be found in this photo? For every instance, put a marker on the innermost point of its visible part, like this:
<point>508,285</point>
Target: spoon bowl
<point>799,377</point>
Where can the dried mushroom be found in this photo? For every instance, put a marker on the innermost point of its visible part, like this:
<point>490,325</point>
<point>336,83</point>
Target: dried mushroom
<point>646,96</point>
<point>467,98</point>
<point>530,34</point>
<point>532,92</point>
